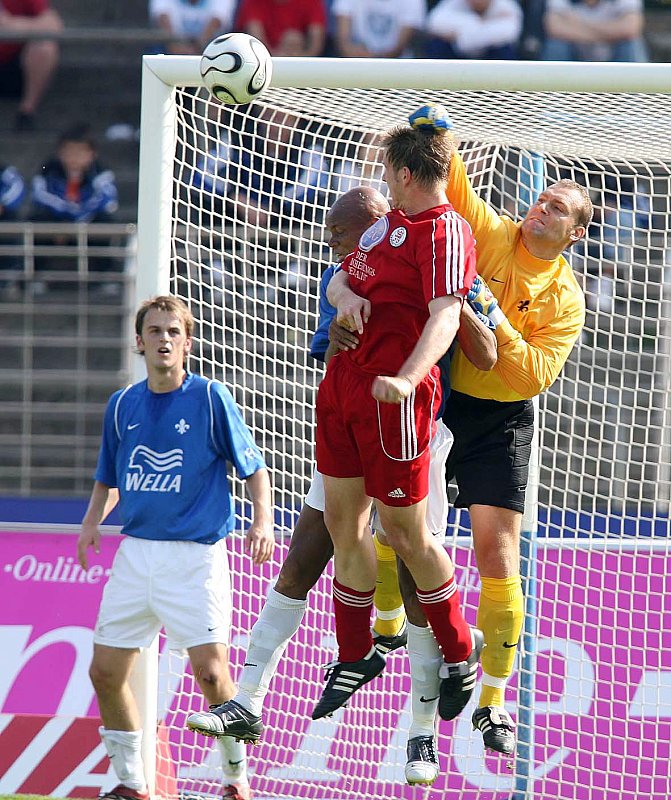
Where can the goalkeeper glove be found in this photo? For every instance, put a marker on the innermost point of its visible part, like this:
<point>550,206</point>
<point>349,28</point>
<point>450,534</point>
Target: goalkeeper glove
<point>430,117</point>
<point>482,301</point>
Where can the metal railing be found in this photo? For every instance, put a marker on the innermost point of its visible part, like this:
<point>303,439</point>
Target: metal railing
<point>66,305</point>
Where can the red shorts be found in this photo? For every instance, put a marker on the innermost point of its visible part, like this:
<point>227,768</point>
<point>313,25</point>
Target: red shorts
<point>387,444</point>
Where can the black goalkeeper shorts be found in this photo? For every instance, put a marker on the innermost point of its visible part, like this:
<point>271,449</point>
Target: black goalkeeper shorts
<point>491,451</point>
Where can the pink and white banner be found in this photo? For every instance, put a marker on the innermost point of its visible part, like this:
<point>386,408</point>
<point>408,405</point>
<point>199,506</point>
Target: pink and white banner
<point>602,713</point>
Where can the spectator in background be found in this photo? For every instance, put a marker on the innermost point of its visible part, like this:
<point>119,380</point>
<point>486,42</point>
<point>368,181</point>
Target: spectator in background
<point>72,186</point>
<point>488,29</point>
<point>279,171</point>
<point>197,22</point>
<point>286,27</point>
<point>377,28</point>
<point>594,30</point>
<point>12,192</point>
<point>26,66</point>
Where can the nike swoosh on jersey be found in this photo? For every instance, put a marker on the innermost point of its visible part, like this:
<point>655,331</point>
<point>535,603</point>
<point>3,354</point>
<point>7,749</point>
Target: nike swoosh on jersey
<point>505,644</point>
<point>423,699</point>
<point>496,280</point>
<point>132,427</point>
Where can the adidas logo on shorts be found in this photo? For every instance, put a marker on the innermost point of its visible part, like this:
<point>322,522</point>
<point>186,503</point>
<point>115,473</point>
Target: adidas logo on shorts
<point>396,493</point>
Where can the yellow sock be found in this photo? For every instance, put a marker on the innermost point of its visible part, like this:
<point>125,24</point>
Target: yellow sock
<point>390,614</point>
<point>500,618</point>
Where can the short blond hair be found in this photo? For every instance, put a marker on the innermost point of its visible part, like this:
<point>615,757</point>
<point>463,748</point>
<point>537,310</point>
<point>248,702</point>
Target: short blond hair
<point>427,154</point>
<point>165,302</point>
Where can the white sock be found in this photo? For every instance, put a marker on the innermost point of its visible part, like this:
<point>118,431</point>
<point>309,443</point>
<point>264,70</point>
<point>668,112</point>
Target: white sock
<point>425,660</point>
<point>233,760</point>
<point>279,619</point>
<point>123,748</point>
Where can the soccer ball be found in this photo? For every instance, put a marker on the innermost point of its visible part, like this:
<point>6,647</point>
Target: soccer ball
<point>431,117</point>
<point>236,68</point>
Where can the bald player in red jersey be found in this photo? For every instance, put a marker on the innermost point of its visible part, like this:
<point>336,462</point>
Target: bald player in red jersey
<point>402,290</point>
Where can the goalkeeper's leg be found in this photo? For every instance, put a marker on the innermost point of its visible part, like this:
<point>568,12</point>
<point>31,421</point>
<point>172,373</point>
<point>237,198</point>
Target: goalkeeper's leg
<point>500,617</point>
<point>389,628</point>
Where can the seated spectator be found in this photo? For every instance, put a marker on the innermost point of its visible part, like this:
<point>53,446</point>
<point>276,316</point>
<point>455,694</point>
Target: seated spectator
<point>377,28</point>
<point>26,67</point>
<point>487,29</point>
<point>197,22</point>
<point>278,172</point>
<point>73,186</point>
<point>12,192</point>
<point>286,27</point>
<point>594,30</point>
<point>623,210</point>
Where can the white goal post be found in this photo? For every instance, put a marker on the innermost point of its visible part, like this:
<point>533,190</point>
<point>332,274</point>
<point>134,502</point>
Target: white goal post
<point>230,218</point>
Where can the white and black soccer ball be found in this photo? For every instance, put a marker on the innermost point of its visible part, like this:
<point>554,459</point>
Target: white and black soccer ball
<point>236,68</point>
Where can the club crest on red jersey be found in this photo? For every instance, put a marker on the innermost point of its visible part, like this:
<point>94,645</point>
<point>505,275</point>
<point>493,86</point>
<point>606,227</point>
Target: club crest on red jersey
<point>374,235</point>
<point>397,236</point>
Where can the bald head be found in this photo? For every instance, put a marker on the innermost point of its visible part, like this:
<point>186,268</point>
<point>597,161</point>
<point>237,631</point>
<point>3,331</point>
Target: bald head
<point>351,215</point>
<point>362,201</point>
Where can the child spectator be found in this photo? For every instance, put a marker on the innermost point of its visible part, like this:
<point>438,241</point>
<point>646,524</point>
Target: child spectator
<point>72,186</point>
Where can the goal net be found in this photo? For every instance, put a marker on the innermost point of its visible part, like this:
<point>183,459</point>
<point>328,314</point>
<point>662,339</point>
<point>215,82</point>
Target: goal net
<point>232,206</point>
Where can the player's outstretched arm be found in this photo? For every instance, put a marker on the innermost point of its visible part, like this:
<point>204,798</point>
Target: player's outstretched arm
<point>260,538</point>
<point>102,501</point>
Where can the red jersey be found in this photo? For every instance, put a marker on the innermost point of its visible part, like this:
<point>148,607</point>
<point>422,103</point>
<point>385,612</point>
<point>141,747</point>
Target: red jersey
<point>19,8</point>
<point>278,17</point>
<point>401,264</point>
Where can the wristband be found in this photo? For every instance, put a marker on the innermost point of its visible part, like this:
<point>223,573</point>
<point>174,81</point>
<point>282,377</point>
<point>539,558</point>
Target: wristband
<point>497,316</point>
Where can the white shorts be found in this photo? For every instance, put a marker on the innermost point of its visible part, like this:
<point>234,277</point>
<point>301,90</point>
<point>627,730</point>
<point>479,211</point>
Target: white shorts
<point>437,505</point>
<point>184,587</point>
<point>315,496</point>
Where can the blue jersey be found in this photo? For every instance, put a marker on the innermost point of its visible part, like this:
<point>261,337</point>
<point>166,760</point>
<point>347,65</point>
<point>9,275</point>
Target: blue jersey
<point>168,454</point>
<point>320,338</point>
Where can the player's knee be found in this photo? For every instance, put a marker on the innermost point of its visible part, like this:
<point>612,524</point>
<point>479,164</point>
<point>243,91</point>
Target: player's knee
<point>499,558</point>
<point>104,677</point>
<point>214,679</point>
<point>299,574</point>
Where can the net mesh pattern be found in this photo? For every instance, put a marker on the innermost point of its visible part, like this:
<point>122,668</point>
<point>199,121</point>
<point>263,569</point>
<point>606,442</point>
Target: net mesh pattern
<point>250,192</point>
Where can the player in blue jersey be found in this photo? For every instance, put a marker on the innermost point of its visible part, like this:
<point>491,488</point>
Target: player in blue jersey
<point>311,547</point>
<point>165,448</point>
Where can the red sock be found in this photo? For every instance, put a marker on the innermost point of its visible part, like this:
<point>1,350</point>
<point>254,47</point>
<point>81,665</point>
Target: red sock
<point>352,615</point>
<point>443,611</point>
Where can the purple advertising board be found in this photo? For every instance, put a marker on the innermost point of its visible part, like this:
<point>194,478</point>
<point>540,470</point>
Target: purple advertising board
<point>601,683</point>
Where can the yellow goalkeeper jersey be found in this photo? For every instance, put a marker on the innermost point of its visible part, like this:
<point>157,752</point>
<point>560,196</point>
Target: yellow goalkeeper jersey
<point>543,303</point>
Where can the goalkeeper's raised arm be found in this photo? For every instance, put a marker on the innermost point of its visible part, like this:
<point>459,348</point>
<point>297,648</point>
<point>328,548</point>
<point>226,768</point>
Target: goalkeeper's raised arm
<point>526,289</point>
